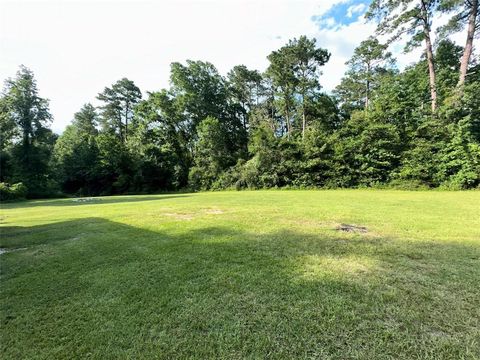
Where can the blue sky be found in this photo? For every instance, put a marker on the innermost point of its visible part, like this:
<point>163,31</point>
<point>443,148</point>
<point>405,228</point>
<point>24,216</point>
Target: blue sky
<point>341,14</point>
<point>76,48</point>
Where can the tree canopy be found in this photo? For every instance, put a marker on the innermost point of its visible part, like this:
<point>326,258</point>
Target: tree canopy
<point>381,126</point>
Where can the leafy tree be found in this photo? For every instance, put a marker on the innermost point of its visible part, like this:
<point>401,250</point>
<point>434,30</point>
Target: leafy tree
<point>75,154</point>
<point>447,64</point>
<point>369,62</point>
<point>116,165</point>
<point>211,154</point>
<point>412,17</point>
<point>119,102</point>
<point>245,88</point>
<point>318,162</point>
<point>199,91</point>
<point>160,143</point>
<point>281,71</point>
<point>86,120</point>
<point>25,117</point>
<point>365,152</point>
<point>459,163</point>
<point>420,162</point>
<point>24,108</point>
<point>465,14</point>
<point>307,60</point>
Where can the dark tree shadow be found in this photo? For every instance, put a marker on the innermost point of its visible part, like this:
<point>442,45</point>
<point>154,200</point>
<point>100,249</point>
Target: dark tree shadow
<point>85,285</point>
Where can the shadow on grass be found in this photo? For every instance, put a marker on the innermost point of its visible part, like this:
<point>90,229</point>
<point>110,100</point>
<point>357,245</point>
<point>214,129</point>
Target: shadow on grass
<point>87,285</point>
<point>89,201</point>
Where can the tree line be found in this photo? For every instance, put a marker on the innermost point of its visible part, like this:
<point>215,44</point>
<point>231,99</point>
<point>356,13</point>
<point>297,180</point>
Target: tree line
<point>415,128</point>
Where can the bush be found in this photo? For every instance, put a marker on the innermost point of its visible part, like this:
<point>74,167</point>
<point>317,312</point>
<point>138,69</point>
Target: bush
<point>462,180</point>
<point>407,184</point>
<point>12,192</point>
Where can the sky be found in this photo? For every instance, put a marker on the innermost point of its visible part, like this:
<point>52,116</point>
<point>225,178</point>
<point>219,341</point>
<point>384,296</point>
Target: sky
<point>76,48</point>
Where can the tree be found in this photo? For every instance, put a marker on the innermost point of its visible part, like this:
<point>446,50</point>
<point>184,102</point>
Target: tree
<point>465,15</point>
<point>369,62</point>
<point>245,88</point>
<point>199,91</point>
<point>23,106</point>
<point>25,117</point>
<point>412,17</point>
<point>86,120</point>
<point>447,64</point>
<point>211,155</point>
<point>307,60</point>
<point>119,102</point>
<point>281,71</point>
<point>365,152</point>
<point>75,154</point>
<point>160,143</point>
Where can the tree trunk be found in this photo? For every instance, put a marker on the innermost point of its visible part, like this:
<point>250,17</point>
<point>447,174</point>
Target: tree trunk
<point>126,124</point>
<point>367,87</point>
<point>467,52</point>
<point>304,118</point>
<point>429,52</point>
<point>287,120</point>
<point>304,122</point>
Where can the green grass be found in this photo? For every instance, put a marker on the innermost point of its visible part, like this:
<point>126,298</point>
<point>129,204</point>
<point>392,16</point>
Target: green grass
<point>260,274</point>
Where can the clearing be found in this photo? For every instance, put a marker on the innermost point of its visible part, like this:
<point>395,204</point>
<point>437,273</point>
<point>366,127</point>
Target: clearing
<point>341,274</point>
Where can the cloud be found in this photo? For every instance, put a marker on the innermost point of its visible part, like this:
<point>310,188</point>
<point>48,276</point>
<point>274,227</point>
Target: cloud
<point>343,12</point>
<point>341,42</point>
<point>356,9</point>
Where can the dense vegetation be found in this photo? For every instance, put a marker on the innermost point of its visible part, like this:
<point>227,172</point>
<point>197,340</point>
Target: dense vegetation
<point>419,127</point>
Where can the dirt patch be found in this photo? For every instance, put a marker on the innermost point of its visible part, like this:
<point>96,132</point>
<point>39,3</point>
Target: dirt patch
<point>180,216</point>
<point>351,228</point>
<point>5,250</point>
<point>86,200</point>
<point>213,211</point>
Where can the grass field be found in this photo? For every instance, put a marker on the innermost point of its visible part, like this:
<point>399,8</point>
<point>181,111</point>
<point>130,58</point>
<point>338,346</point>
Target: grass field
<point>230,275</point>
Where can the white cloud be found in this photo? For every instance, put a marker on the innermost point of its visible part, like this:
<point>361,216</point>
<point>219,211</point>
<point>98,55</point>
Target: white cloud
<point>356,9</point>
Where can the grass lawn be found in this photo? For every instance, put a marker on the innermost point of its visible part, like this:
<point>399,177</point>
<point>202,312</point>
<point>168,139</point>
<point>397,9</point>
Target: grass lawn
<point>260,274</point>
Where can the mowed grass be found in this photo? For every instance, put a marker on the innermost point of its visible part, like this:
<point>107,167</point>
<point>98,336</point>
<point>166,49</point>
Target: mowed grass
<point>260,274</point>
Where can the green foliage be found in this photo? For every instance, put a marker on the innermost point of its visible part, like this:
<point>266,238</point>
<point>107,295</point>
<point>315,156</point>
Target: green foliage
<point>210,155</point>
<point>459,163</point>
<point>118,109</point>
<point>27,142</point>
<point>12,192</point>
<point>399,17</point>
<point>365,152</point>
<point>294,75</point>
<point>250,130</point>
<point>199,91</point>
<point>75,155</point>
<point>369,64</point>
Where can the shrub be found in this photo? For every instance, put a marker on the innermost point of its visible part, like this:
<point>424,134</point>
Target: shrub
<point>12,192</point>
<point>407,184</point>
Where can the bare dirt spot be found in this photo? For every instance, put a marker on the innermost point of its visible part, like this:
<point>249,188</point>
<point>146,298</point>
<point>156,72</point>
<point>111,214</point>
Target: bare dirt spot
<point>351,228</point>
<point>4,250</point>
<point>180,216</point>
<point>213,211</point>
<point>86,200</point>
